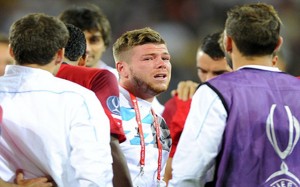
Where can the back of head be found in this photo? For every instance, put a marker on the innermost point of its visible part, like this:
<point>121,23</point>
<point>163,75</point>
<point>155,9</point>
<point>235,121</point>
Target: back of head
<point>89,18</point>
<point>134,38</point>
<point>36,38</point>
<point>254,28</point>
<point>76,46</point>
<point>211,46</point>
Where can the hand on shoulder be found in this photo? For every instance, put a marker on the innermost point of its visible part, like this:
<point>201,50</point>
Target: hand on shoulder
<point>185,90</point>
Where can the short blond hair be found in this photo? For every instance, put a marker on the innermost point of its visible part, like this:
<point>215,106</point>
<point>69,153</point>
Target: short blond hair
<point>134,38</point>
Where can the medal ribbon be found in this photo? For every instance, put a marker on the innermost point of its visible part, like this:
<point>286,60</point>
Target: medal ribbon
<point>159,146</point>
<point>142,139</point>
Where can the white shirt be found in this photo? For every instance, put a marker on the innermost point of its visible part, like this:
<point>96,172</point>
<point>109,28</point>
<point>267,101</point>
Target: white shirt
<point>132,148</point>
<point>52,127</point>
<point>200,142</point>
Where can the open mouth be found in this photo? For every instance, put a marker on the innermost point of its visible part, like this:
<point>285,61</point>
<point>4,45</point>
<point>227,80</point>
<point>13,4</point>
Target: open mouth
<point>160,76</point>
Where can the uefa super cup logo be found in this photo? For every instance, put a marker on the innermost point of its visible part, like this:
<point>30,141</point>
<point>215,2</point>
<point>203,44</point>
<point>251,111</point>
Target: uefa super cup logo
<point>283,177</point>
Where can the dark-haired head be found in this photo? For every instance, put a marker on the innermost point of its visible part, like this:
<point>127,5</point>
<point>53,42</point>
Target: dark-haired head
<point>88,18</point>
<point>36,38</point>
<point>255,28</point>
<point>76,46</point>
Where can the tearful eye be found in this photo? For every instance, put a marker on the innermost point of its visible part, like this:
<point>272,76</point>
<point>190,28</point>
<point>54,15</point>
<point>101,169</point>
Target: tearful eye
<point>148,59</point>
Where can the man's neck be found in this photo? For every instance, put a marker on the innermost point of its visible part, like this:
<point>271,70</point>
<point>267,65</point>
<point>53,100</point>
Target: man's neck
<point>238,61</point>
<point>138,93</point>
<point>48,67</point>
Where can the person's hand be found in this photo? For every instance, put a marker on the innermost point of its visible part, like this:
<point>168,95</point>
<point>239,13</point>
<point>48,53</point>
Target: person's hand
<point>185,90</point>
<point>35,182</point>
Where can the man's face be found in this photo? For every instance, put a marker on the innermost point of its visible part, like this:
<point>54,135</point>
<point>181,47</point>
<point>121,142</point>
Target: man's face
<point>94,47</point>
<point>149,68</point>
<point>5,58</point>
<point>208,68</point>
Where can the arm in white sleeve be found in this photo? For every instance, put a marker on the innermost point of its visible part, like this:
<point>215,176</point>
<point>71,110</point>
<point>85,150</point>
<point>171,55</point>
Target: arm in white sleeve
<point>89,139</point>
<point>200,141</point>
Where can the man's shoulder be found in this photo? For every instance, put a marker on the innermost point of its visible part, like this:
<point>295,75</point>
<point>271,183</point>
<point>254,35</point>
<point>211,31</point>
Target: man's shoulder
<point>83,75</point>
<point>79,70</point>
<point>69,86</point>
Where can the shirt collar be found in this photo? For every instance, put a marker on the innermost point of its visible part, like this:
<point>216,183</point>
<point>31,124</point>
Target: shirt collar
<point>17,69</point>
<point>142,103</point>
<point>267,68</point>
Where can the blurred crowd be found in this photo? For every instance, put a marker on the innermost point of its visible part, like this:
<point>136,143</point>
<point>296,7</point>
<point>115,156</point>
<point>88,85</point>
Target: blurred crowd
<point>181,22</point>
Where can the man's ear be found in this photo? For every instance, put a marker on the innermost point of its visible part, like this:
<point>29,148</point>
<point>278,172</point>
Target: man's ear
<point>60,56</point>
<point>119,67</point>
<point>228,43</point>
<point>279,43</point>
<point>11,52</point>
<point>122,68</point>
<point>82,60</point>
<point>277,48</point>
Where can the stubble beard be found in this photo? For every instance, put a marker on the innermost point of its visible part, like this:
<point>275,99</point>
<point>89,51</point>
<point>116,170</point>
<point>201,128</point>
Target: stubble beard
<point>147,87</point>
